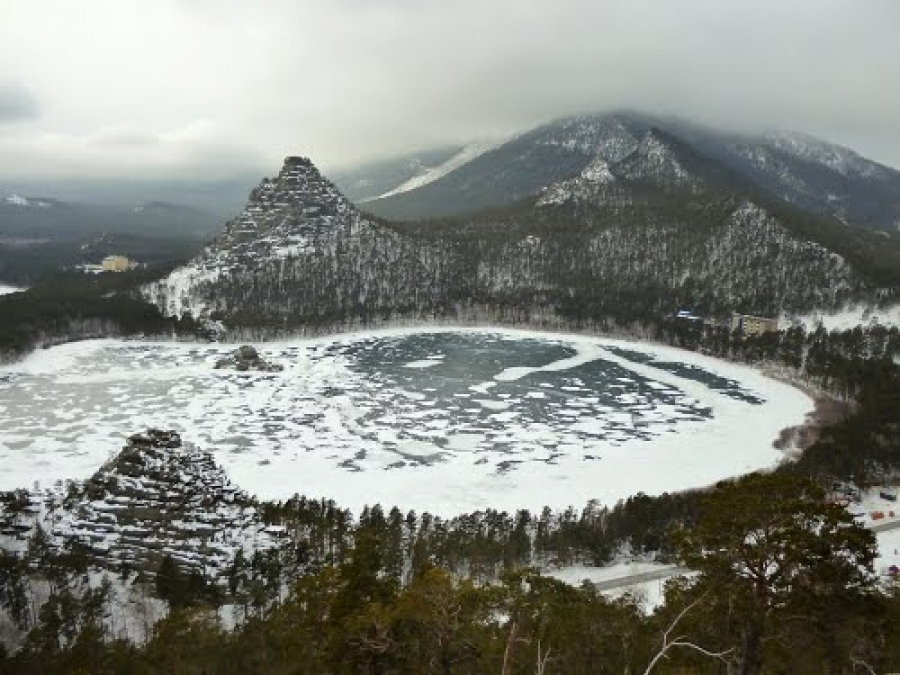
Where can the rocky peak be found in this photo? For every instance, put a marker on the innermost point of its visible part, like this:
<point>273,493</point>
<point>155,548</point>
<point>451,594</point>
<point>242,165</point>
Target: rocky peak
<point>295,214</point>
<point>297,195</point>
<point>598,171</point>
<point>300,185</point>
<point>157,497</point>
<point>607,136</point>
<point>589,185</point>
<point>655,160</point>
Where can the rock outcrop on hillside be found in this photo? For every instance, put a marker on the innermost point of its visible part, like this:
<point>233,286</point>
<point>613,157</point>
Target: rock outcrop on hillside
<point>158,497</point>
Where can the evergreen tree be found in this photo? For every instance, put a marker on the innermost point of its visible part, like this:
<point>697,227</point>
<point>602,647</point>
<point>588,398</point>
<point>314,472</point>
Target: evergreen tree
<point>769,544</point>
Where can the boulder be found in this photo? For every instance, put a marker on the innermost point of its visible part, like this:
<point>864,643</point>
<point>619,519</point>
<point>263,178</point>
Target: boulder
<point>246,353</point>
<point>246,358</point>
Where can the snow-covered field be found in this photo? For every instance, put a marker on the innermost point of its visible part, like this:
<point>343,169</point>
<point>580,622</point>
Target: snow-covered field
<point>4,289</point>
<point>444,421</point>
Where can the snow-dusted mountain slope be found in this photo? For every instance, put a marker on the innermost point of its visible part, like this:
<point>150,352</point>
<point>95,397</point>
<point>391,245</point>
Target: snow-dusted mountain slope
<point>433,173</point>
<point>658,164</point>
<point>644,235</point>
<point>294,226</point>
<point>371,179</point>
<point>517,169</point>
<point>809,173</point>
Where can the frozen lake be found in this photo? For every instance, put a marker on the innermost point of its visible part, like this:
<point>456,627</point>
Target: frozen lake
<point>445,421</point>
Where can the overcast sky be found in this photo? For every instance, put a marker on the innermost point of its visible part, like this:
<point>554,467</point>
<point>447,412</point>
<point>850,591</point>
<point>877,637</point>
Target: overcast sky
<point>169,88</point>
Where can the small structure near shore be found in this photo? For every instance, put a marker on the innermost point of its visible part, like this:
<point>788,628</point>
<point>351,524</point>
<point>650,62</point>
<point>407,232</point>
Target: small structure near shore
<point>750,325</point>
<point>117,263</point>
<point>246,358</point>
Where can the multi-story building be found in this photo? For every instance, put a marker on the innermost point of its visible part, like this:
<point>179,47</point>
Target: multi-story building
<point>753,325</point>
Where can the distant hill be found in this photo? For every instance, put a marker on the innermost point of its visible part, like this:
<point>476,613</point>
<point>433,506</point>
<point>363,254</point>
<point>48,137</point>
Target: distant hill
<point>44,217</point>
<point>220,196</point>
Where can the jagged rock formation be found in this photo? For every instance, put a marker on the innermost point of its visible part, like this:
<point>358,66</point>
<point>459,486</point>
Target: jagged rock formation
<point>658,163</point>
<point>246,358</point>
<point>299,228</point>
<point>157,497</point>
<point>630,238</point>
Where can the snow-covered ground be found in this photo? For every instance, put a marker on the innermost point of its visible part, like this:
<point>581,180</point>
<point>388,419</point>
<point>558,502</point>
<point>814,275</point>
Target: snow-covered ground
<point>888,550</point>
<point>650,593</point>
<point>467,154</point>
<point>4,289</point>
<point>576,574</point>
<point>888,541</point>
<point>846,319</point>
<point>502,419</point>
<point>872,502</point>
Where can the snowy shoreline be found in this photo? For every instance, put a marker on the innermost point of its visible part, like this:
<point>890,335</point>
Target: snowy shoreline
<point>736,440</point>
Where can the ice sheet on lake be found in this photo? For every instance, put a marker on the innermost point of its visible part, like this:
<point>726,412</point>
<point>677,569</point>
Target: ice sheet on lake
<point>504,419</point>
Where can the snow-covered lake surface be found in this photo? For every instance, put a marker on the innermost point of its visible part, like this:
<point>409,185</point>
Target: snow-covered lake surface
<point>444,421</point>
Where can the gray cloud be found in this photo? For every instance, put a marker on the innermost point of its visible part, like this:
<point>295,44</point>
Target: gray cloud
<point>16,103</point>
<point>171,88</point>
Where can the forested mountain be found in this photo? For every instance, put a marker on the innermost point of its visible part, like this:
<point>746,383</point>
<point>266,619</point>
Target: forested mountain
<point>809,173</point>
<point>631,238</point>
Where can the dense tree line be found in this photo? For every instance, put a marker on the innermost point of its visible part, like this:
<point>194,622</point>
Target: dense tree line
<point>783,584</point>
<point>74,306</point>
<point>28,257</point>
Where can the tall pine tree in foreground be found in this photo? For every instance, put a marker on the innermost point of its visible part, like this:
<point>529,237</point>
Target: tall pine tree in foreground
<point>774,556</point>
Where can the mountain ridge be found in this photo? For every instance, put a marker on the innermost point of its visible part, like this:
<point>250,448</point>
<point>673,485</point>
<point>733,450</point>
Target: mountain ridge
<point>812,174</point>
<point>301,257</point>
